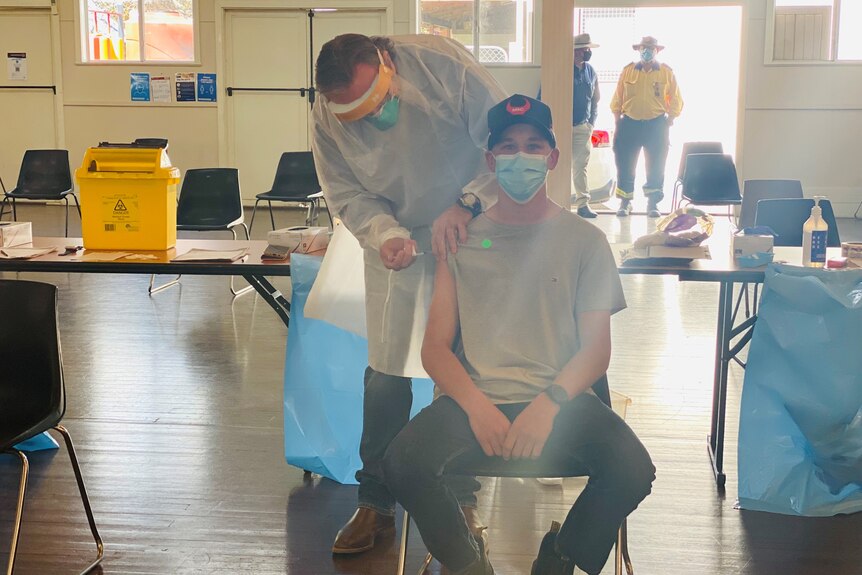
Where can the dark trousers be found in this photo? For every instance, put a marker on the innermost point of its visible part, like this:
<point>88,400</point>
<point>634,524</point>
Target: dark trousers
<point>385,411</point>
<point>630,137</point>
<point>587,437</point>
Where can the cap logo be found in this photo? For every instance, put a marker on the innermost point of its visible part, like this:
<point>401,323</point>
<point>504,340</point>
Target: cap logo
<point>518,110</point>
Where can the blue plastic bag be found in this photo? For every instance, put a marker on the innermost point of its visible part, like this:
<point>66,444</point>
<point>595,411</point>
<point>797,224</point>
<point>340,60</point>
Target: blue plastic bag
<point>323,386</point>
<point>800,428</point>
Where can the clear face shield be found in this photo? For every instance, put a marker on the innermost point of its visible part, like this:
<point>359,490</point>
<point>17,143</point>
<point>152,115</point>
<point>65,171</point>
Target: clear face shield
<point>372,102</point>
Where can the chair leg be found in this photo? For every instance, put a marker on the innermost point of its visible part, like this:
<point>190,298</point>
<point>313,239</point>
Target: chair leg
<point>246,289</point>
<point>253,212</point>
<point>66,199</point>
<point>621,557</point>
<point>309,214</point>
<point>426,564</point>
<point>402,552</point>
<point>19,512</point>
<point>70,447</point>
<point>14,211</point>
<point>3,205</point>
<point>271,217</point>
<point>152,289</point>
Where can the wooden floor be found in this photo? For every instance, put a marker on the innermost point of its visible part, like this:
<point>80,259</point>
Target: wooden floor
<point>174,402</point>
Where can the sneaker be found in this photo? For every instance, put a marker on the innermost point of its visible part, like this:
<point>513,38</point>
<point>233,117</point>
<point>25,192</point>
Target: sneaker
<point>625,208</point>
<point>585,212</point>
<point>549,562</point>
<point>652,209</point>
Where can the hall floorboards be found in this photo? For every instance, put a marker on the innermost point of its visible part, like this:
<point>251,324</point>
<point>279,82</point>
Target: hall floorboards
<point>174,403</point>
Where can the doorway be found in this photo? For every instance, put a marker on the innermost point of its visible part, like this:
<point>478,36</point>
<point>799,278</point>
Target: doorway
<point>28,111</point>
<point>268,58</point>
<point>702,46</point>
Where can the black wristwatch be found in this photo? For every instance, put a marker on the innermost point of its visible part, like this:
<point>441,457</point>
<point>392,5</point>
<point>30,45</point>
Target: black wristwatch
<point>557,394</point>
<point>471,203</point>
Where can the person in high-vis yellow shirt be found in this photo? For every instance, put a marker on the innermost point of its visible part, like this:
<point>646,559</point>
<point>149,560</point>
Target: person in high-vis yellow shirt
<point>645,105</point>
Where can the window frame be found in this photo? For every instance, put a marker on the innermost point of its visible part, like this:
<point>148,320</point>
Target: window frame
<point>533,41</point>
<point>82,45</point>
<point>769,41</point>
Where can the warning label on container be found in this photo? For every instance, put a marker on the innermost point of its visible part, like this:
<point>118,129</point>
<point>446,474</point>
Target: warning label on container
<point>120,213</point>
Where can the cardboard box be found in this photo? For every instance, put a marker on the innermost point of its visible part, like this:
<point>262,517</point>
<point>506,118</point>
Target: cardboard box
<point>15,234</point>
<point>747,245</point>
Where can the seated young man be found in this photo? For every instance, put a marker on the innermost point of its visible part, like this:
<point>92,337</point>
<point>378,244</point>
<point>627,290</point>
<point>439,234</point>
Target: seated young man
<point>518,332</point>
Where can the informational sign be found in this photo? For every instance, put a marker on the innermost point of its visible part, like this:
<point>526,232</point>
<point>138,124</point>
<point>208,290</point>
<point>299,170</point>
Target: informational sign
<point>186,87</point>
<point>140,87</point>
<point>161,88</point>
<point>206,87</point>
<point>16,65</point>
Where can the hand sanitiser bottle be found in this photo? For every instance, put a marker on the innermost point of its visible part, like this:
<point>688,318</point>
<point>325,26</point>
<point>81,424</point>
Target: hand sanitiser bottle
<point>815,232</point>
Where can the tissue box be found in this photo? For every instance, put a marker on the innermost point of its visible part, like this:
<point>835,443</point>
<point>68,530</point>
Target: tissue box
<point>300,239</point>
<point>747,245</point>
<point>15,234</point>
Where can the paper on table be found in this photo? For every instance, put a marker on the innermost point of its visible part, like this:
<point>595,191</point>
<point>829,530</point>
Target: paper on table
<point>101,256</point>
<point>651,252</point>
<point>23,253</point>
<point>200,255</point>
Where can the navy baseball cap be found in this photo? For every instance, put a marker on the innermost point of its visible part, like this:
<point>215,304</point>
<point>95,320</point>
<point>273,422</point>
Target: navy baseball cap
<point>520,109</point>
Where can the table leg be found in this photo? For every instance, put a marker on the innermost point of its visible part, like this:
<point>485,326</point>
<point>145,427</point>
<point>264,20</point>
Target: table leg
<point>723,335</point>
<point>271,295</point>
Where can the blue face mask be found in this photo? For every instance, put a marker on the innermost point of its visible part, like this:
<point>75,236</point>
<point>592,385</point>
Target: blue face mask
<point>387,116</point>
<point>521,175</point>
<point>647,54</point>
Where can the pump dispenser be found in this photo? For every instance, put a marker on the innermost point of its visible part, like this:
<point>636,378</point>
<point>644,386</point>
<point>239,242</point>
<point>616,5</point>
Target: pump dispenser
<point>815,232</point>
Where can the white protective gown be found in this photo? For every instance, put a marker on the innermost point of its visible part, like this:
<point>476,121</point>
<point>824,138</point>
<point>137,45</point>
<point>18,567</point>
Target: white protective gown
<point>394,183</point>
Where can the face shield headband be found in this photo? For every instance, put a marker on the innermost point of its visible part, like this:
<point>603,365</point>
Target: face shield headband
<point>369,101</point>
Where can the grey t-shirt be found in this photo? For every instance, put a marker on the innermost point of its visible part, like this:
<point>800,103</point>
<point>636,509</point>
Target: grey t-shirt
<point>519,290</point>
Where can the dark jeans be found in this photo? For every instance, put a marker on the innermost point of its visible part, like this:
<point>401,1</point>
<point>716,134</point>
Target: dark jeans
<point>385,411</point>
<point>587,438</point>
<point>630,137</point>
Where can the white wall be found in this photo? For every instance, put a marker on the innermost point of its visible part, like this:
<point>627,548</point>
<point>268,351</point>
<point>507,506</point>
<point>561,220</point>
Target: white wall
<point>803,122</point>
<point>797,121</point>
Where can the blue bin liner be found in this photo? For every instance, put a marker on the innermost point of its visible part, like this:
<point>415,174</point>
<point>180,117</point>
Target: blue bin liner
<point>323,386</point>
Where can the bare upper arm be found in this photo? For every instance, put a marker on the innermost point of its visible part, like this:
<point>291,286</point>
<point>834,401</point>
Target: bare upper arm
<point>443,314</point>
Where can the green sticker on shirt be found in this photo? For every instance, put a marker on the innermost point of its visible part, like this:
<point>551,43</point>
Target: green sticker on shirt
<point>486,244</point>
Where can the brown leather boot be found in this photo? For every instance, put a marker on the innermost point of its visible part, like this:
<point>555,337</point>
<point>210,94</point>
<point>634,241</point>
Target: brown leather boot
<point>360,533</point>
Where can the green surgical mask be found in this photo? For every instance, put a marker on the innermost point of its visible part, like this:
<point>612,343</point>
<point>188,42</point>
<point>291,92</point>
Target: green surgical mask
<point>387,116</point>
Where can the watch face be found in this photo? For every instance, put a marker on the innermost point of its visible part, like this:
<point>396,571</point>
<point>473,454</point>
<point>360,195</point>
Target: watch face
<point>557,394</point>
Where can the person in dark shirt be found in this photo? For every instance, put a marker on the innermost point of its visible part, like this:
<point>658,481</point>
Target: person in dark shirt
<point>585,101</point>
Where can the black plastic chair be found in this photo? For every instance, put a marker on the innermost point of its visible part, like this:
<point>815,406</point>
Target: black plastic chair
<point>710,180</point>
<point>295,182</point>
<point>692,148</point>
<point>787,216</point>
<point>32,392</point>
<point>755,190</point>
<point>523,468</point>
<point>44,175</point>
<point>752,192</point>
<point>210,200</point>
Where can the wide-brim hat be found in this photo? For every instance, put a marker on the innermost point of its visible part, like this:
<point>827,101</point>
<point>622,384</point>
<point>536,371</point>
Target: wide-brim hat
<point>520,109</point>
<point>584,41</point>
<point>648,42</point>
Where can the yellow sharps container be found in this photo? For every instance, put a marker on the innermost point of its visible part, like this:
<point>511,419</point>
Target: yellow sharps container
<point>128,198</point>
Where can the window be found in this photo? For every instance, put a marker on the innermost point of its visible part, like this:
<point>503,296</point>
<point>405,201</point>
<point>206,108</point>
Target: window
<point>139,31</point>
<point>501,29</point>
<point>815,30</point>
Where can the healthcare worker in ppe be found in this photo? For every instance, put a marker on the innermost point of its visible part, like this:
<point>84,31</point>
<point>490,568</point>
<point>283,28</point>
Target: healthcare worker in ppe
<point>398,138</point>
